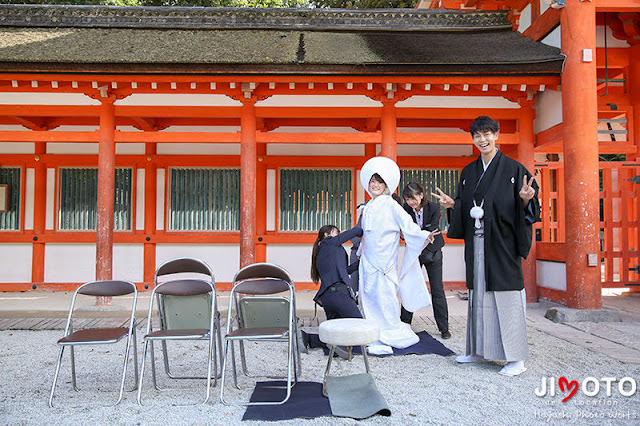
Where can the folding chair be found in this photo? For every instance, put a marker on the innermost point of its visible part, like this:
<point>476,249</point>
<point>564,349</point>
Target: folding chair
<point>99,336</point>
<point>187,310</point>
<point>262,315</point>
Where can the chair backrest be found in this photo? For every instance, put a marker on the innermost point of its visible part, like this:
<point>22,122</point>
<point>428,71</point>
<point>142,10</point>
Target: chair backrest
<point>184,265</point>
<point>185,303</point>
<point>263,279</point>
<point>107,288</point>
<point>258,312</point>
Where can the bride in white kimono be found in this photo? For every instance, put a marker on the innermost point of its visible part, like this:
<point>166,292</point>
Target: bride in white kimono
<point>383,219</point>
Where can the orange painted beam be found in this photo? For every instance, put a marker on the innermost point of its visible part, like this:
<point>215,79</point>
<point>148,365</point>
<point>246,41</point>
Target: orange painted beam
<point>554,252</point>
<point>320,138</point>
<point>542,26</point>
<point>616,6</point>
<point>550,136</point>
<point>450,138</point>
<point>616,57</point>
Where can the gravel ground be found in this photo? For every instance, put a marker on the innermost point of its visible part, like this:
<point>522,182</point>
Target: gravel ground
<point>427,389</point>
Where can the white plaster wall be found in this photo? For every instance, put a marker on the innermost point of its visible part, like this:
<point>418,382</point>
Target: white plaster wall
<point>315,149</point>
<point>543,6</point>
<point>170,99</point>
<point>320,101</point>
<point>38,98</point>
<point>198,149</point>
<point>51,196</point>
<point>65,263</point>
<point>548,110</point>
<point>224,259</point>
<point>435,150</point>
<point>553,38</point>
<point>128,262</point>
<point>17,147</point>
<point>295,258</point>
<point>314,129</point>
<point>140,206</point>
<point>160,199</point>
<point>611,41</point>
<point>551,274</point>
<point>453,267</point>
<point>72,148</point>
<point>456,102</point>
<point>15,263</point>
<point>271,199</point>
<point>130,149</point>
<point>525,19</point>
<point>29,198</point>
<point>69,263</point>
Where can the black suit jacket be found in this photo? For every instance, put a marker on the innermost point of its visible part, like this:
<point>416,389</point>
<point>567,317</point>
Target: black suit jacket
<point>430,221</point>
<point>332,261</point>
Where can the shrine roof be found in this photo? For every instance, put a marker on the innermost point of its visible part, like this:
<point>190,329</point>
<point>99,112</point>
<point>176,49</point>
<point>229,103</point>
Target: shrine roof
<point>256,40</point>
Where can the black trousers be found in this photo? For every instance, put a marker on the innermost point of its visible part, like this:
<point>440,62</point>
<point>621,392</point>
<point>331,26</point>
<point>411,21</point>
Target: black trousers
<point>338,303</point>
<point>438,299</point>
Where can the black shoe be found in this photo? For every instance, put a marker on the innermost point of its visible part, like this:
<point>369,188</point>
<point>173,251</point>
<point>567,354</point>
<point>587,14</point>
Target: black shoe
<point>342,352</point>
<point>303,341</point>
<point>446,335</point>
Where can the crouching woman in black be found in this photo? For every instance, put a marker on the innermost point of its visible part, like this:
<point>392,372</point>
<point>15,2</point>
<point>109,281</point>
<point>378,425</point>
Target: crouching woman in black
<point>330,268</point>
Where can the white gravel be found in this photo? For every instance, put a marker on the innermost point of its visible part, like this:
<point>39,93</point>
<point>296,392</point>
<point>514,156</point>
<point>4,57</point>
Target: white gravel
<point>426,389</point>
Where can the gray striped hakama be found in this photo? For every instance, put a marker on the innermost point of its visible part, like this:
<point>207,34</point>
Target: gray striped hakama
<point>496,320</point>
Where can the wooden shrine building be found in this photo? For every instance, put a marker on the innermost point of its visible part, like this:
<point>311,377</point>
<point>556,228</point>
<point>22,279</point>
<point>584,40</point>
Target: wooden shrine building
<point>129,136</point>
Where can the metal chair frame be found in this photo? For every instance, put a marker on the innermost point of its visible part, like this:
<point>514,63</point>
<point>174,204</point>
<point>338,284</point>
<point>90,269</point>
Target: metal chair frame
<point>182,287</point>
<point>261,280</point>
<point>99,336</point>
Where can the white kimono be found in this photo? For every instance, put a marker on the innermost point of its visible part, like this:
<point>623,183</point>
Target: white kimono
<point>381,280</point>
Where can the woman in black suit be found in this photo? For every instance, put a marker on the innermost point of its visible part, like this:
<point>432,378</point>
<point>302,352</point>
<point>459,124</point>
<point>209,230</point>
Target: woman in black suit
<point>330,268</point>
<point>427,216</point>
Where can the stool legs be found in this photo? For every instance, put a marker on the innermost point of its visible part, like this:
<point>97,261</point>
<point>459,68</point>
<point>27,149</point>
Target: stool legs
<point>331,352</point>
<point>366,357</point>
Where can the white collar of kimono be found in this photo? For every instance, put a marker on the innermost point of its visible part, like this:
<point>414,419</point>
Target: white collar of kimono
<point>385,167</point>
<point>487,165</point>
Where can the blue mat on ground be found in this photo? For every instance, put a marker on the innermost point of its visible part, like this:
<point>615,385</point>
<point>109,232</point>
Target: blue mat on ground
<point>306,401</point>
<point>426,345</point>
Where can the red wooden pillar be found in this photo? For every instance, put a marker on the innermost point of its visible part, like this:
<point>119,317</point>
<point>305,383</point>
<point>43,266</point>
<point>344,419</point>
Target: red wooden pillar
<point>106,187</point>
<point>634,88</point>
<point>261,202</point>
<point>150,200</point>
<point>388,125</point>
<point>580,115</point>
<point>525,156</point>
<point>39,214</point>
<point>248,168</point>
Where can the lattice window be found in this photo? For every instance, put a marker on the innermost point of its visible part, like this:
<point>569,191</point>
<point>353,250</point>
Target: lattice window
<point>312,198</point>
<point>204,199</point>
<point>79,199</point>
<point>445,179</point>
<point>10,179</point>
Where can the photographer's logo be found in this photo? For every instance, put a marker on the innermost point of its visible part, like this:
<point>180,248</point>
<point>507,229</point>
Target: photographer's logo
<point>590,387</point>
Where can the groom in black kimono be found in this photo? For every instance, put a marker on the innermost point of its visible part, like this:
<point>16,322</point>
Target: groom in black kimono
<point>493,212</point>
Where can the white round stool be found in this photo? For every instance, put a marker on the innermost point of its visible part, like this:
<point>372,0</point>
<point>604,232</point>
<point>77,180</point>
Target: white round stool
<point>349,332</point>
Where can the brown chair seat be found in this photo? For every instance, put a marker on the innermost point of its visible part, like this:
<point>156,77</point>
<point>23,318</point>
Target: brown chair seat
<point>91,336</point>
